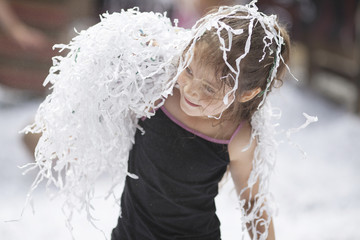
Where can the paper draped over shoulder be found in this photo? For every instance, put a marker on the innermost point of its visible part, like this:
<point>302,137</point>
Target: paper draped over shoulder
<point>113,74</point>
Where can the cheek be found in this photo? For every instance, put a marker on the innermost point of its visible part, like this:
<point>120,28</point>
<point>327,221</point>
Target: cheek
<point>214,107</point>
<point>181,79</point>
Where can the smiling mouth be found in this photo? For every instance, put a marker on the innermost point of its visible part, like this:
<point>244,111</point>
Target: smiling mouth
<point>190,103</point>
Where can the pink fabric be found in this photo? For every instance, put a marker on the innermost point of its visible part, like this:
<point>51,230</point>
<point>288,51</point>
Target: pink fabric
<point>210,139</point>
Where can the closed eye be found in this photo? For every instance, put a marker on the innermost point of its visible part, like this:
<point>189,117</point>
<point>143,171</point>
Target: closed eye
<point>209,89</point>
<point>188,70</point>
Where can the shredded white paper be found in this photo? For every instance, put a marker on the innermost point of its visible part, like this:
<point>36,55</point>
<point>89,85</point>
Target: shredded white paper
<point>113,74</point>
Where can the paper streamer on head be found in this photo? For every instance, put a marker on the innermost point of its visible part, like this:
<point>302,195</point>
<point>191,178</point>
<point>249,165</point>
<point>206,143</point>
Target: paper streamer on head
<point>113,74</point>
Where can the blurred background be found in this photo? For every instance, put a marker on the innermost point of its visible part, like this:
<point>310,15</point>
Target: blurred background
<point>318,196</point>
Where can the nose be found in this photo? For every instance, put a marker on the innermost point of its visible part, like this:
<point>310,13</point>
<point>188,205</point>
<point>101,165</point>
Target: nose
<point>191,88</point>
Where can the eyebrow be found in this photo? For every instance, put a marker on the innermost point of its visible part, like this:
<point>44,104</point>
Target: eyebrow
<point>209,83</point>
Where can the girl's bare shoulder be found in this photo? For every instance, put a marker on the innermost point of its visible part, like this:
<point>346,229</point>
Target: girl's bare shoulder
<point>239,148</point>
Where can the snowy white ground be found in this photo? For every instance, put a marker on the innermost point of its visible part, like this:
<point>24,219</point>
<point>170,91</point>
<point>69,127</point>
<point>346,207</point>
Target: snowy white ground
<point>318,197</point>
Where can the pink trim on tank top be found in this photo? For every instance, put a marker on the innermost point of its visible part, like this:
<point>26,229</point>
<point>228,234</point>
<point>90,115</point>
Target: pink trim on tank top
<point>210,139</point>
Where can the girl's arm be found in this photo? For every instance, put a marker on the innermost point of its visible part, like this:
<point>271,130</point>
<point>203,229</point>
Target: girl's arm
<point>240,168</point>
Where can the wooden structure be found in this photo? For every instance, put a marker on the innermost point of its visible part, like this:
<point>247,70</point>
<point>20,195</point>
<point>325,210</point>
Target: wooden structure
<point>25,69</point>
<point>330,30</point>
<point>335,45</point>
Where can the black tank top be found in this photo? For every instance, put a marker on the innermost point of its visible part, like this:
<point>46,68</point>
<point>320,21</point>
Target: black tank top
<point>179,171</point>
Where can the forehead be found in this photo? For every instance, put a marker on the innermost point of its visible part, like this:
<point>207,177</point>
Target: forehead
<point>207,64</point>
<point>201,65</point>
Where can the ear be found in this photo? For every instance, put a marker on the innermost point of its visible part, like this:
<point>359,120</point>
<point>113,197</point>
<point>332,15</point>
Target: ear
<point>248,95</point>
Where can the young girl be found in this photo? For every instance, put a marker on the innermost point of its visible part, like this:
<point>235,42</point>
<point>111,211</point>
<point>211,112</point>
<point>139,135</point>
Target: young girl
<point>194,137</point>
<point>206,114</point>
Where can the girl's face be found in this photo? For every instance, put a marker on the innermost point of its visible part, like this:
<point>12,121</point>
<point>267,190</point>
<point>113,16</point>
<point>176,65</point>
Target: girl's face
<point>200,94</point>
